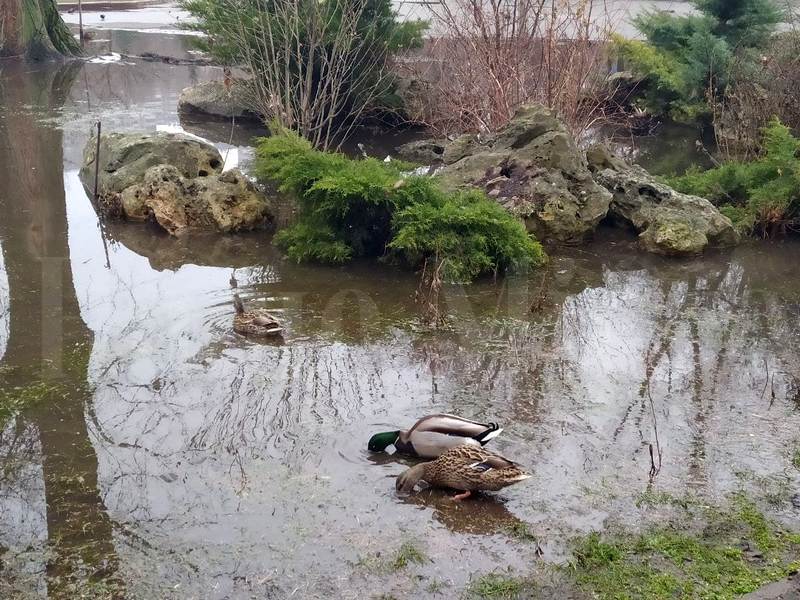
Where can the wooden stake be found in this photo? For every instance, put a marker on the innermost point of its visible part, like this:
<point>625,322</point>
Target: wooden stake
<point>97,163</point>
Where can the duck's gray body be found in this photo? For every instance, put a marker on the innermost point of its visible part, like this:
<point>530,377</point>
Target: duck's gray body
<point>433,435</point>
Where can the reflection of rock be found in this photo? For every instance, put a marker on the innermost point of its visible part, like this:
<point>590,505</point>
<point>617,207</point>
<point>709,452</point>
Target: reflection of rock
<point>203,249</point>
<point>124,158</point>
<point>534,168</point>
<point>174,180</point>
<point>668,222</point>
<point>228,202</point>
<point>212,98</point>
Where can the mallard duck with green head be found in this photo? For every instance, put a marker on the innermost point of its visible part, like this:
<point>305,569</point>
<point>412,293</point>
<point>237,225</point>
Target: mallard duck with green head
<point>435,434</point>
<point>257,322</point>
<point>467,468</point>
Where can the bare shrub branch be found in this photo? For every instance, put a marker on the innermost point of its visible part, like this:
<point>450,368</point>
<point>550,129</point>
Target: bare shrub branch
<point>315,68</point>
<point>489,57</point>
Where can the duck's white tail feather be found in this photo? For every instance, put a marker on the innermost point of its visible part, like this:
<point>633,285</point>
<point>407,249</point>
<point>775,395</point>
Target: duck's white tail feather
<point>491,435</point>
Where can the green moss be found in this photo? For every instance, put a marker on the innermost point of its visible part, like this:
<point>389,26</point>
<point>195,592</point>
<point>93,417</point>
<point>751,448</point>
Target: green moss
<point>494,585</point>
<point>675,562</point>
<point>407,554</point>
<point>16,399</point>
<point>521,531</point>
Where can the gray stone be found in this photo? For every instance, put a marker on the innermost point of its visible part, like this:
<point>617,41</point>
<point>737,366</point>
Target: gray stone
<point>214,99</point>
<point>534,168</point>
<point>125,157</point>
<point>787,589</point>
<point>424,152</point>
<point>226,202</point>
<point>668,221</point>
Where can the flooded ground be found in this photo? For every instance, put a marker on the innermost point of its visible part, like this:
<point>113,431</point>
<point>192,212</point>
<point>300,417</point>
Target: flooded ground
<point>175,459</point>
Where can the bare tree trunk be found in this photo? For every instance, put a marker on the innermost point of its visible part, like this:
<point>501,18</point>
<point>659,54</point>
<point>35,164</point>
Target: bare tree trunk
<point>34,29</point>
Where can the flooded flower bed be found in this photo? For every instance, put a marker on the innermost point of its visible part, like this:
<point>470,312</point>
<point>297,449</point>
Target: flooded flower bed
<point>153,452</point>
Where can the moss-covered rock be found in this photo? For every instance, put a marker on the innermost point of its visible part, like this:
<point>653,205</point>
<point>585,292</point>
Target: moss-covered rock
<point>424,152</point>
<point>668,221</point>
<point>227,203</point>
<point>534,168</point>
<point>174,180</point>
<point>125,157</point>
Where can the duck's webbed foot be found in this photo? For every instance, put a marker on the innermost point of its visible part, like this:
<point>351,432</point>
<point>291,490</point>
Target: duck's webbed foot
<point>462,496</point>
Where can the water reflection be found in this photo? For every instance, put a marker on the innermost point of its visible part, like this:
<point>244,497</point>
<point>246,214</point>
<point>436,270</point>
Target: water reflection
<point>181,454</point>
<point>47,346</point>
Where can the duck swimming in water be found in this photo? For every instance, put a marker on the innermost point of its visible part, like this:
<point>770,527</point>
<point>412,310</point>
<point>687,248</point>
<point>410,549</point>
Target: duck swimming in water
<point>467,468</point>
<point>256,322</point>
<point>435,434</point>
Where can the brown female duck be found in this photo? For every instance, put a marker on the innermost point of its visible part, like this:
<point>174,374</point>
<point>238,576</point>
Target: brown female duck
<point>256,322</point>
<point>468,468</point>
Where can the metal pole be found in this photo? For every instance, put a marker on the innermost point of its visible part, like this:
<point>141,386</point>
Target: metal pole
<point>97,162</point>
<point>80,21</point>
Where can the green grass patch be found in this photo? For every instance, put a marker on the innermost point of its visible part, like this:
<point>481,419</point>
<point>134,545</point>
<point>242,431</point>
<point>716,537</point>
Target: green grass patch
<point>406,555</point>
<point>658,498</point>
<point>521,531</point>
<point>737,551</point>
<point>796,457</point>
<point>495,585</point>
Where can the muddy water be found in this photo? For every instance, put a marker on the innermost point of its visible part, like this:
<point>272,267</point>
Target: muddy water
<point>180,460</point>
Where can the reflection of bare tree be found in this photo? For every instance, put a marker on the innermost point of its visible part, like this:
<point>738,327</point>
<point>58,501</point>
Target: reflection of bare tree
<point>48,340</point>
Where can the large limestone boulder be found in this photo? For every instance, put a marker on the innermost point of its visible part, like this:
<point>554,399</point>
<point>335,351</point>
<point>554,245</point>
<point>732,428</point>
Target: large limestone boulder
<point>174,180</point>
<point>125,157</point>
<point>227,202</point>
<point>668,221</point>
<point>213,98</point>
<point>534,168</point>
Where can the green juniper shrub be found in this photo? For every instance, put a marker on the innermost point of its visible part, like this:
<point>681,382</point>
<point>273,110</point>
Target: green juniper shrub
<point>346,205</point>
<point>369,208</point>
<point>686,61</point>
<point>469,233</point>
<point>762,195</point>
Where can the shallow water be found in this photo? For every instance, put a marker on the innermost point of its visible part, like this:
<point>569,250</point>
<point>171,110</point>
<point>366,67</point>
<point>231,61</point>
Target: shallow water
<point>181,460</point>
